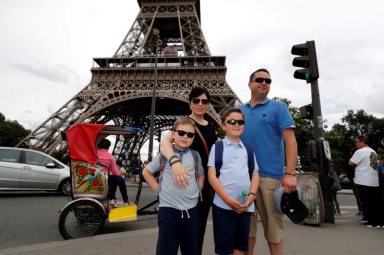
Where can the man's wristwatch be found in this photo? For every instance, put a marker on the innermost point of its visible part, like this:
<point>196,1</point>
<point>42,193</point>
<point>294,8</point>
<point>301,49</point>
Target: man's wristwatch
<point>293,174</point>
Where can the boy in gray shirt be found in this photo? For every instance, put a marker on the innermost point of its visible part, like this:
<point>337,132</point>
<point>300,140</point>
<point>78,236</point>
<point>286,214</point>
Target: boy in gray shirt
<point>178,215</point>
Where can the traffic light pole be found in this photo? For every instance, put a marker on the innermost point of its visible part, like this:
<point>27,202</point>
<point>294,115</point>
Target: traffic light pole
<point>323,163</point>
<point>306,59</point>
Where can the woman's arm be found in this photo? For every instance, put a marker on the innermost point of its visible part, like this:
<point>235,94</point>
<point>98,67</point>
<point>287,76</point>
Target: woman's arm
<point>179,173</point>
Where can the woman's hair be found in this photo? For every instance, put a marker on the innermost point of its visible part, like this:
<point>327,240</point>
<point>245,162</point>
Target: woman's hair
<point>198,91</point>
<point>104,144</point>
<point>183,121</point>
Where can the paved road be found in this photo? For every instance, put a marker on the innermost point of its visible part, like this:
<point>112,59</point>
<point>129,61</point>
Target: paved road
<point>32,217</point>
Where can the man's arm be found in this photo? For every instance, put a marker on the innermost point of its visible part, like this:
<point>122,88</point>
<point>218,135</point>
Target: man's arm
<point>289,179</point>
<point>352,164</point>
<point>179,173</point>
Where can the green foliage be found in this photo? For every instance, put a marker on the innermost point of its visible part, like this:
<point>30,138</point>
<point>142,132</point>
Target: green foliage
<point>340,137</point>
<point>11,132</point>
<point>303,132</point>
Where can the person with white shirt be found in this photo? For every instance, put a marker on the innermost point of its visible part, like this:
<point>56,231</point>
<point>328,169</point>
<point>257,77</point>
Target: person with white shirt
<point>367,182</point>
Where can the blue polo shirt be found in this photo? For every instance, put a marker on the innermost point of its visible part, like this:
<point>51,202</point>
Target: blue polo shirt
<point>263,131</point>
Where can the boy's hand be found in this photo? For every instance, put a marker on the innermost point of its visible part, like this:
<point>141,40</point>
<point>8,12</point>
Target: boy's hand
<point>180,175</point>
<point>236,206</point>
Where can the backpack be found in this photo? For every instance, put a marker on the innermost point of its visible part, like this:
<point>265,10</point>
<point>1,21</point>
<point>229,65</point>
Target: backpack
<point>219,148</point>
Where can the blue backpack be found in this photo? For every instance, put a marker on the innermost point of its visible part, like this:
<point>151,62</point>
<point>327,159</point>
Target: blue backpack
<point>219,148</point>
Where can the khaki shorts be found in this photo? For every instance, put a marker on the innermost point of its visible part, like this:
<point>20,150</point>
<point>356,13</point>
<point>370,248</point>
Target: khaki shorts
<point>271,219</point>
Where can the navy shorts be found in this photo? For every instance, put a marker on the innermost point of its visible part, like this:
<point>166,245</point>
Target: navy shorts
<point>230,230</point>
<point>178,229</point>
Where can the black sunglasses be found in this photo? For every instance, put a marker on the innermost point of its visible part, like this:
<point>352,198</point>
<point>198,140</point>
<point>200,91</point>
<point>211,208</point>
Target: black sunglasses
<point>183,133</point>
<point>260,80</point>
<point>198,100</point>
<point>234,122</point>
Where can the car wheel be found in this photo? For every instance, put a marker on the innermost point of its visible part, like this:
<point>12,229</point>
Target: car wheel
<point>65,187</point>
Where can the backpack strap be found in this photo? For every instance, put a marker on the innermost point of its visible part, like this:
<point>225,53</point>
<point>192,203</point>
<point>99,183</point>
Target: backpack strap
<point>251,160</point>
<point>196,157</point>
<point>219,148</point>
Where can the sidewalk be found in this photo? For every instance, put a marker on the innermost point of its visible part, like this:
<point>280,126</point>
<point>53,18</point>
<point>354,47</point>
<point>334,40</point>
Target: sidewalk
<point>346,237</point>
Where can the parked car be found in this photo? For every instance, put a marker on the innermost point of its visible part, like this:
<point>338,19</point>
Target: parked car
<point>345,182</point>
<point>24,169</point>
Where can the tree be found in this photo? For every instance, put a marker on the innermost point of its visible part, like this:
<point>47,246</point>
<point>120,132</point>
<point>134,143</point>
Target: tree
<point>11,132</point>
<point>303,132</point>
<point>341,137</point>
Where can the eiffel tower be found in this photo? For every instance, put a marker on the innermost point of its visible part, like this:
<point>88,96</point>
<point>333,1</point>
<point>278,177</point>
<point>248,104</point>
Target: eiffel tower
<point>121,87</point>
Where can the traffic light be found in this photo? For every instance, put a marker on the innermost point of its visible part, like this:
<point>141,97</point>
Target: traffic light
<point>307,60</point>
<point>306,111</point>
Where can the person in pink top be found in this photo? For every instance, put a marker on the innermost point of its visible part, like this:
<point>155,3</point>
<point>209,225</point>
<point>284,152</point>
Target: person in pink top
<point>108,161</point>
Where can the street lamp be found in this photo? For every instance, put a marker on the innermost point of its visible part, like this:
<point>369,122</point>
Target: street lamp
<point>156,33</point>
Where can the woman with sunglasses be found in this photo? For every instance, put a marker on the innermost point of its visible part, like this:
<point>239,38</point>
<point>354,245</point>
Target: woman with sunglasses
<point>199,104</point>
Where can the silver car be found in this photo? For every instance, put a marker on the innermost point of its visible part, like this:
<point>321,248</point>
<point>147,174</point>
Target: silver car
<point>24,169</point>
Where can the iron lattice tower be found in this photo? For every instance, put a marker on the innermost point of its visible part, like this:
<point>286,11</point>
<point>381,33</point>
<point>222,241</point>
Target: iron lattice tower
<point>121,87</point>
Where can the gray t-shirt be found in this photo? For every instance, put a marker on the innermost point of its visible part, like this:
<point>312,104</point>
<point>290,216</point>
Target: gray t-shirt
<point>170,194</point>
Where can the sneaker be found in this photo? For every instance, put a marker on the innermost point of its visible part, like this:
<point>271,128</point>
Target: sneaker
<point>113,203</point>
<point>126,204</point>
<point>366,225</point>
<point>359,213</point>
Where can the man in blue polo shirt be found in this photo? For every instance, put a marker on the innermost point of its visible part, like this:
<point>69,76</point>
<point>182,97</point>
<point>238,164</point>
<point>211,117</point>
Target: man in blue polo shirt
<point>269,129</point>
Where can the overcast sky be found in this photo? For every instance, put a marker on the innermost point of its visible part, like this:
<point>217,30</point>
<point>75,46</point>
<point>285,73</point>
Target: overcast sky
<point>47,46</point>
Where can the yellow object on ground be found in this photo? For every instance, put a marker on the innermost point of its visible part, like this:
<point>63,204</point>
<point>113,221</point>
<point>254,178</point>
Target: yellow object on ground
<point>126,213</point>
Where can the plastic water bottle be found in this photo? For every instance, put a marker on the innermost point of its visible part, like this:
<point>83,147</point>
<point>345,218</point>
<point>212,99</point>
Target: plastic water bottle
<point>243,197</point>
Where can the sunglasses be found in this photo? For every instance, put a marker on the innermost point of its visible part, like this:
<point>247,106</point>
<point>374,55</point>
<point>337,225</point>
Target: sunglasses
<point>198,100</point>
<point>234,122</point>
<point>260,80</point>
<point>184,133</point>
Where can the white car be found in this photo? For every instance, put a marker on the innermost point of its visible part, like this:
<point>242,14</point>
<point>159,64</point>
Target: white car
<point>24,169</point>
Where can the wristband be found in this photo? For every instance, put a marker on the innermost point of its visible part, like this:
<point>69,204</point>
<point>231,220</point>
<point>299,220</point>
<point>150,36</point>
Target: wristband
<point>293,174</point>
<point>175,161</point>
<point>172,157</point>
<point>252,193</point>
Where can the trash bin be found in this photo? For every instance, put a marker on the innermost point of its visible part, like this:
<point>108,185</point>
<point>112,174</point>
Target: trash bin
<point>312,197</point>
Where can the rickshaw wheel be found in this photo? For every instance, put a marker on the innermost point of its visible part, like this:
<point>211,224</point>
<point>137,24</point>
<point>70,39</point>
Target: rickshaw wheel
<point>82,218</point>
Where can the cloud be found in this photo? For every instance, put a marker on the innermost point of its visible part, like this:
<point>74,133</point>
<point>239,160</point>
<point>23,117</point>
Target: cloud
<point>60,74</point>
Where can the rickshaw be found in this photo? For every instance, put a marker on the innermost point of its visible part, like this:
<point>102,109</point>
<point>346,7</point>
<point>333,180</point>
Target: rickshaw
<point>89,209</point>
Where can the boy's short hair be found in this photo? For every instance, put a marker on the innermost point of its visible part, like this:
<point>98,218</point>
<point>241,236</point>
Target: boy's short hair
<point>198,91</point>
<point>184,121</point>
<point>228,111</point>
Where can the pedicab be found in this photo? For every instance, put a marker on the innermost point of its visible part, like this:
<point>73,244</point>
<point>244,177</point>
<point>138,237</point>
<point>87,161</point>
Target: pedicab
<point>89,209</point>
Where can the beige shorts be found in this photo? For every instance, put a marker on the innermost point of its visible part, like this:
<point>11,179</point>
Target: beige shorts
<point>271,219</point>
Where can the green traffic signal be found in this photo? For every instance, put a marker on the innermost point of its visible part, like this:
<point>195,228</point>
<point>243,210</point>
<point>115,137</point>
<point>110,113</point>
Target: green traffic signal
<point>307,60</point>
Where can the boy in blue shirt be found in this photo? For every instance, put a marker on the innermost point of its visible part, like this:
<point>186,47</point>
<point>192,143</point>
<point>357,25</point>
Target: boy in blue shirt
<point>178,215</point>
<point>230,215</point>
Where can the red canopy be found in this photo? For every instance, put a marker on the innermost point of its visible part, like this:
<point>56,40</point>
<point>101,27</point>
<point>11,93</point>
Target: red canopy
<point>82,141</point>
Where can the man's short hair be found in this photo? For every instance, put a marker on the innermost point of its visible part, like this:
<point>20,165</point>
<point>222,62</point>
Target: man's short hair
<point>104,144</point>
<point>363,138</point>
<point>252,76</point>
